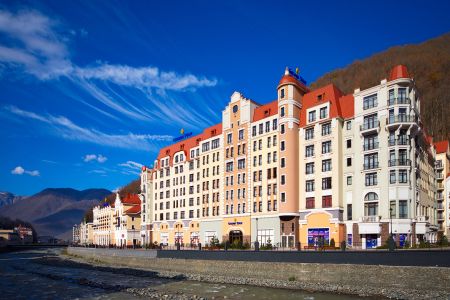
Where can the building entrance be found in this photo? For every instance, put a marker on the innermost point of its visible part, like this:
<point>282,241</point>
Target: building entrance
<point>235,237</point>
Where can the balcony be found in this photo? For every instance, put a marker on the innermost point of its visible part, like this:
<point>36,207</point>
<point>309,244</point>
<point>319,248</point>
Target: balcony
<point>440,176</point>
<point>440,206</point>
<point>439,166</point>
<point>369,126</point>
<point>399,142</point>
<point>397,101</point>
<point>399,162</point>
<point>440,186</point>
<point>371,166</point>
<point>397,120</point>
<point>370,146</point>
<point>440,197</point>
<point>440,217</point>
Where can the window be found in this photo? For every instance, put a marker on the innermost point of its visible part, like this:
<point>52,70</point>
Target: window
<point>309,133</point>
<point>282,146</point>
<point>371,179</point>
<point>205,147</point>
<point>274,124</point>
<point>229,167</point>
<point>326,147</point>
<point>283,197</point>
<point>402,209</point>
<point>235,108</point>
<point>370,142</point>
<point>370,161</point>
<point>241,134</point>
<point>349,180</point>
<point>349,161</point>
<point>283,179</point>
<point>402,176</point>
<point>282,112</point>
<point>310,202</point>
<point>310,185</point>
<point>349,212</point>
<point>326,129</point>
<point>326,183</point>
<point>323,112</point>
<point>283,162</point>
<point>312,116</point>
<point>282,129</point>
<point>229,138</point>
<point>371,204</point>
<point>310,168</point>
<point>282,93</point>
<point>370,101</point>
<point>309,151</point>
<point>392,178</point>
<point>241,164</point>
<point>402,95</point>
<point>348,125</point>
<point>267,126</point>
<point>326,165</point>
<point>349,144</point>
<point>254,131</point>
<point>326,201</point>
<point>370,122</point>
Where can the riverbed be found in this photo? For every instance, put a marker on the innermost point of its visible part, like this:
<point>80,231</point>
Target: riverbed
<point>45,274</point>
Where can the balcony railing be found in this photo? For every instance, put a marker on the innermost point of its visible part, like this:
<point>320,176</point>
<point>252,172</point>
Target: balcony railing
<point>399,142</point>
<point>401,100</point>
<point>400,119</point>
<point>369,125</point>
<point>440,186</point>
<point>440,176</point>
<point>370,146</point>
<point>440,206</point>
<point>370,166</point>
<point>440,197</point>
<point>399,162</point>
<point>439,165</point>
<point>371,219</point>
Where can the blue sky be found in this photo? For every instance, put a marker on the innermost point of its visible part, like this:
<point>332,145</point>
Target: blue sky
<point>92,89</point>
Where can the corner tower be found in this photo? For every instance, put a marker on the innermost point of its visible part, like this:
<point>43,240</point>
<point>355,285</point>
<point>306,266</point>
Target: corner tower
<point>290,92</point>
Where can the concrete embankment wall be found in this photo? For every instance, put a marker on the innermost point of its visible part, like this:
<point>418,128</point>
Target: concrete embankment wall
<point>347,278</point>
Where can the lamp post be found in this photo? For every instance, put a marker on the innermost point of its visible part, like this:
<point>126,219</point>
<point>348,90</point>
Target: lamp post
<point>391,240</point>
<point>257,241</point>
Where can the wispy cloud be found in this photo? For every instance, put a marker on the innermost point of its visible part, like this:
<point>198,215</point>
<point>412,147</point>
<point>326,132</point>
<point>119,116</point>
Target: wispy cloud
<point>100,158</point>
<point>130,168</point>
<point>98,171</point>
<point>38,45</point>
<point>65,128</point>
<point>20,171</point>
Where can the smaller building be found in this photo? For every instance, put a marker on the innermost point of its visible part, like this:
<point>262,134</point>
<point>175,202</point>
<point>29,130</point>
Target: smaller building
<point>86,234</point>
<point>127,220</point>
<point>76,234</point>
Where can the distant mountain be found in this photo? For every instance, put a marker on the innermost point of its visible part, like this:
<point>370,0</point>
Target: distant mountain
<point>428,63</point>
<point>7,198</point>
<point>54,211</point>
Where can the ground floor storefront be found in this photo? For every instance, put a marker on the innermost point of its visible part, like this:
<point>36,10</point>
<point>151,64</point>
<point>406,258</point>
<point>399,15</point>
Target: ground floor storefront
<point>321,228</point>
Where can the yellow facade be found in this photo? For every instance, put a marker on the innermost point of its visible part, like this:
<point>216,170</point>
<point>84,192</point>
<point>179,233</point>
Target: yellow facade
<point>324,222</point>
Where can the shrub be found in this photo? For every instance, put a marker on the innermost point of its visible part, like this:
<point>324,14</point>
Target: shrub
<point>332,243</point>
<point>292,278</point>
<point>443,241</point>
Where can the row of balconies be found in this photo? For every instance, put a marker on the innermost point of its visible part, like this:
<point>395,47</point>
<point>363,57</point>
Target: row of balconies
<point>400,118</point>
<point>396,101</point>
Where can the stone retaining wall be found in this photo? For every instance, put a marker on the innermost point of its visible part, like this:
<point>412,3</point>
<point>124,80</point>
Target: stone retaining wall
<point>410,282</point>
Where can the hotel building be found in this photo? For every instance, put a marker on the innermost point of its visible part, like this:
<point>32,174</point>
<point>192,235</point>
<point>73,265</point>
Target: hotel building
<point>309,166</point>
<point>443,192</point>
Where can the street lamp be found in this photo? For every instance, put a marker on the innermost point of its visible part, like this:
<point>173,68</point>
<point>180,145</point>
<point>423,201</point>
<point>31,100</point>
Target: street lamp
<point>257,241</point>
<point>391,240</point>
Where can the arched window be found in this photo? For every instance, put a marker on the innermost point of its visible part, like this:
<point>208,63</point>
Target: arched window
<point>371,197</point>
<point>371,208</point>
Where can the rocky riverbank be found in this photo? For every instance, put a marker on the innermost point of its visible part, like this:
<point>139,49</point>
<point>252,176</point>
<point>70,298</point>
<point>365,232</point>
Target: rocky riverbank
<point>304,279</point>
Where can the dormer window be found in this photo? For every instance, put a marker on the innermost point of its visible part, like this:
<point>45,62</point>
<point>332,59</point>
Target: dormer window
<point>319,97</point>
<point>282,93</point>
<point>266,113</point>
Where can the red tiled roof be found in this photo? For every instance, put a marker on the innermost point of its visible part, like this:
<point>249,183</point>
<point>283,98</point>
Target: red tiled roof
<point>399,71</point>
<point>134,210</point>
<point>340,105</point>
<point>187,144</point>
<point>131,199</point>
<point>265,111</point>
<point>441,147</point>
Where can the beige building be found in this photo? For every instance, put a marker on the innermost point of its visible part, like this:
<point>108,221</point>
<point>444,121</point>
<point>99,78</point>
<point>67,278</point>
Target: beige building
<point>146,206</point>
<point>86,234</point>
<point>442,173</point>
<point>309,167</point>
<point>102,225</point>
<point>127,221</point>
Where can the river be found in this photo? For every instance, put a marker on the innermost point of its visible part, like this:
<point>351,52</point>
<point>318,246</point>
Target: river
<point>44,274</point>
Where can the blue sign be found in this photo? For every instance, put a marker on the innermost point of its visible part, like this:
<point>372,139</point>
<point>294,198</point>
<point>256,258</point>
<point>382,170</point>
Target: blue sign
<point>234,223</point>
<point>295,75</point>
<point>182,137</point>
<point>316,236</point>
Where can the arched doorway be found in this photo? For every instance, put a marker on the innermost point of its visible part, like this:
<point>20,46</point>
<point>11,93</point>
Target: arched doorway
<point>235,236</point>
